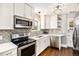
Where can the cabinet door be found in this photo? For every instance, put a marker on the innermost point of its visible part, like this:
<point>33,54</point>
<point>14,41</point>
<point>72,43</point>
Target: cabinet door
<point>42,22</point>
<point>48,41</point>
<point>6,16</point>
<point>70,39</point>
<point>28,11</point>
<point>47,21</point>
<point>33,13</point>
<point>19,9</point>
<point>12,52</point>
<point>38,47</point>
<point>43,44</point>
<point>53,21</point>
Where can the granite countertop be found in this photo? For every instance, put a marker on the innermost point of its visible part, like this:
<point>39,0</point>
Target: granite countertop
<point>7,46</point>
<point>45,35</point>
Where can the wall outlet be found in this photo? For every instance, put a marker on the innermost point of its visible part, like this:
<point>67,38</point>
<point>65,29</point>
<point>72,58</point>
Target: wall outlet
<point>1,37</point>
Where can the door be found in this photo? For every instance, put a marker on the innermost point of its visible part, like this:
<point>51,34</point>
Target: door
<point>28,51</point>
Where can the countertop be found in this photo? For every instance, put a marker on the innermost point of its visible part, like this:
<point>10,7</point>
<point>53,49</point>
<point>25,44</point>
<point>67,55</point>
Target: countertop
<point>56,34</point>
<point>38,36</point>
<point>7,46</point>
<point>45,35</point>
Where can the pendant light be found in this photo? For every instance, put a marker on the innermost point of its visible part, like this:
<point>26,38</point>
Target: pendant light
<point>58,9</point>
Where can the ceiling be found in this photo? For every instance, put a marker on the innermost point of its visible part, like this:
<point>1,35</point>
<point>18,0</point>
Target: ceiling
<point>46,7</point>
<point>40,5</point>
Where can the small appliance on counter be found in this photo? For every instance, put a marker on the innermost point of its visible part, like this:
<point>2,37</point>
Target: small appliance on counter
<point>45,31</point>
<point>26,46</point>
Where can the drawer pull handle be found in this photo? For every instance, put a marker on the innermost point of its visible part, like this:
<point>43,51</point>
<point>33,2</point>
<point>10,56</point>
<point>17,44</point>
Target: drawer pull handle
<point>9,53</point>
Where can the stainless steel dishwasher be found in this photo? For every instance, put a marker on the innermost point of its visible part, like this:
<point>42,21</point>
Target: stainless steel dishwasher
<point>54,42</point>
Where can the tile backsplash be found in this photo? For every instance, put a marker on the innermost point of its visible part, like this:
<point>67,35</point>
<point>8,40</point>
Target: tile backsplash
<point>6,34</point>
<point>35,33</point>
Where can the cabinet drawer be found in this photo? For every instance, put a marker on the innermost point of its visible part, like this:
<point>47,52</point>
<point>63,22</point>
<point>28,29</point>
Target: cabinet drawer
<point>9,53</point>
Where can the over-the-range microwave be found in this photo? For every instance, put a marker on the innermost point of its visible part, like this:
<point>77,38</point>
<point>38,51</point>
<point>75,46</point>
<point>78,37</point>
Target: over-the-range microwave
<point>22,22</point>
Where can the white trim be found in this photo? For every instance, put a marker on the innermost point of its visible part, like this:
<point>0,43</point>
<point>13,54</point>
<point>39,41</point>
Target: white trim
<point>63,45</point>
<point>70,46</point>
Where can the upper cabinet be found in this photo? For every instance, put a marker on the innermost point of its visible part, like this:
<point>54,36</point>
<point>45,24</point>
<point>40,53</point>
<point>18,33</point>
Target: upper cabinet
<point>6,16</point>
<point>28,11</point>
<point>19,9</point>
<point>53,21</point>
<point>42,22</point>
<point>8,10</point>
<point>25,10</point>
<point>48,21</point>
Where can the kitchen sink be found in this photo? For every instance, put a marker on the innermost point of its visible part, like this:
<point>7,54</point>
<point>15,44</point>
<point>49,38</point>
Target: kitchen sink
<point>39,36</point>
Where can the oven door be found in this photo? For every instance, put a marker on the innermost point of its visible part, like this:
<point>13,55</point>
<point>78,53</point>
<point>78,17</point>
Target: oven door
<point>27,50</point>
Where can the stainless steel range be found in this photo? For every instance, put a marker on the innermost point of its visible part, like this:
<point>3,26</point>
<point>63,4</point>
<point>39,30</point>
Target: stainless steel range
<point>26,46</point>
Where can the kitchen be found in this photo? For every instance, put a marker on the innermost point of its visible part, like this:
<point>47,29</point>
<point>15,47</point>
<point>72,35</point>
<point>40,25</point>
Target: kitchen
<point>36,29</point>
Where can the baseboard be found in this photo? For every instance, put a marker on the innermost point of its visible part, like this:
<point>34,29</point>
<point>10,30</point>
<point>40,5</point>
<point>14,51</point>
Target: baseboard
<point>70,46</point>
<point>63,45</point>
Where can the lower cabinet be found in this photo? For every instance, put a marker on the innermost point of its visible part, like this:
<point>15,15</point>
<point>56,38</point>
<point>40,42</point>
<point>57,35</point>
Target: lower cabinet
<point>42,44</point>
<point>12,52</point>
<point>70,39</point>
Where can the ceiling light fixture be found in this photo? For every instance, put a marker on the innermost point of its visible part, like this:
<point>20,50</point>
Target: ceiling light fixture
<point>58,9</point>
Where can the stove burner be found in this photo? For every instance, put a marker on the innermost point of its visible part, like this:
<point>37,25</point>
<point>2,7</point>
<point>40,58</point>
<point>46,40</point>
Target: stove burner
<point>22,41</point>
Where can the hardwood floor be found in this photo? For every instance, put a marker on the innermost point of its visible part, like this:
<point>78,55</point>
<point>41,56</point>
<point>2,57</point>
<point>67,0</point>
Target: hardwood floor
<point>63,52</point>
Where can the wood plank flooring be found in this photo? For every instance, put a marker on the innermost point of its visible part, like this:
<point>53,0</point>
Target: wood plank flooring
<point>63,52</point>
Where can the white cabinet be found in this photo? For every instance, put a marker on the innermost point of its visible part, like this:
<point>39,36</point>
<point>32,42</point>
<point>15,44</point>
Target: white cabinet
<point>8,10</point>
<point>12,52</point>
<point>42,22</point>
<point>24,10</point>
<point>48,41</point>
<point>42,44</point>
<point>28,11</point>
<point>53,21</point>
<point>38,47</point>
<point>70,39</point>
<point>45,43</point>
<point>6,16</point>
<point>47,21</point>
<point>8,49</point>
<point>19,9</point>
<point>33,13</point>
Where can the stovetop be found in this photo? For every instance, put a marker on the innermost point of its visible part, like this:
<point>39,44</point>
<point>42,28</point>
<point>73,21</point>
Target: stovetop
<point>25,42</point>
<point>22,41</point>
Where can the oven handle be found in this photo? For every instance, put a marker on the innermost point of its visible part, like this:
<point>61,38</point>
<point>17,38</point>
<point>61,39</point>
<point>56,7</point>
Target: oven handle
<point>19,49</point>
<point>26,45</point>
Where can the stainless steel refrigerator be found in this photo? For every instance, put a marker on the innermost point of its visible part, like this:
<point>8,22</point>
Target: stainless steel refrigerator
<point>76,38</point>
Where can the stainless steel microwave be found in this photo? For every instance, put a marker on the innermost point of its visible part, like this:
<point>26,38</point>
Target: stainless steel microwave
<point>21,22</point>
